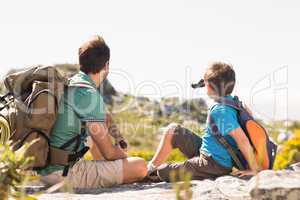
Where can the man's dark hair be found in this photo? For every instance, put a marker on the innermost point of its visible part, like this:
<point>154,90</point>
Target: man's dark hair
<point>221,77</point>
<point>93,55</point>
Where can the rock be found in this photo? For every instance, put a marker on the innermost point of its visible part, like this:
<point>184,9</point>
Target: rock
<point>233,187</point>
<point>269,184</point>
<point>266,185</point>
<point>296,167</point>
<point>284,136</point>
<point>202,190</point>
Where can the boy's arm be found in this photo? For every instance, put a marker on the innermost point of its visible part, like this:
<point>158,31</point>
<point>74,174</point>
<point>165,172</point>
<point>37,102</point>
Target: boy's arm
<point>245,147</point>
<point>101,139</point>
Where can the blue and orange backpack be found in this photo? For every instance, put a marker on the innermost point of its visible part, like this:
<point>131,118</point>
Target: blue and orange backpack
<point>264,148</point>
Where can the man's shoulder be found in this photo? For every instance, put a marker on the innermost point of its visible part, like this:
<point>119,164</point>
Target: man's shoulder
<point>79,86</point>
<point>84,91</point>
<point>81,81</point>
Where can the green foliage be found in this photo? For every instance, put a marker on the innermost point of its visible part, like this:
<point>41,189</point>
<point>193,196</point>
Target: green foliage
<point>143,132</point>
<point>13,175</point>
<point>295,125</point>
<point>140,131</point>
<point>176,155</point>
<point>289,152</point>
<point>182,189</point>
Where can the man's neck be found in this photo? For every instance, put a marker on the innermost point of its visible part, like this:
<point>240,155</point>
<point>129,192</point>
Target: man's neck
<point>96,78</point>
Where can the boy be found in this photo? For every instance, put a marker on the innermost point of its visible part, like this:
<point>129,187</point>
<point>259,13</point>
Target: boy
<point>206,157</point>
<point>86,104</point>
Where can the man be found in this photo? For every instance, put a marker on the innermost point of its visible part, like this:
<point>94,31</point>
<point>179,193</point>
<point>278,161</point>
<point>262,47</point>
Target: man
<point>83,103</point>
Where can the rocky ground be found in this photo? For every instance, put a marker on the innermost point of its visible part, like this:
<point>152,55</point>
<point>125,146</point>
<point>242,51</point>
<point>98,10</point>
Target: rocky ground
<point>266,185</point>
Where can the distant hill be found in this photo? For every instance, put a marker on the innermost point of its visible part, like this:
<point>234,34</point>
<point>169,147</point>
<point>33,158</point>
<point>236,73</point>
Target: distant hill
<point>194,109</point>
<point>140,118</point>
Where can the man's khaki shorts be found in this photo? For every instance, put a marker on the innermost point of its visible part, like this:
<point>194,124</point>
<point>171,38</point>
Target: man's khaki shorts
<point>90,174</point>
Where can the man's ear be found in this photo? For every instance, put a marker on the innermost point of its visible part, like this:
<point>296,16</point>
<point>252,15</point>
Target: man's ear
<point>106,66</point>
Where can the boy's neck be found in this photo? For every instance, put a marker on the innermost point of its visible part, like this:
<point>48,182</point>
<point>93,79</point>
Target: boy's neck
<point>218,98</point>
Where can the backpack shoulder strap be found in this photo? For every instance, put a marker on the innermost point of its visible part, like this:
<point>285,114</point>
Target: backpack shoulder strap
<point>222,141</point>
<point>78,85</point>
<point>235,103</point>
<point>81,85</point>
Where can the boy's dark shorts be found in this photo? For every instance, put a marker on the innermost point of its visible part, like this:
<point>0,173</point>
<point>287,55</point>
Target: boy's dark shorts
<point>199,165</point>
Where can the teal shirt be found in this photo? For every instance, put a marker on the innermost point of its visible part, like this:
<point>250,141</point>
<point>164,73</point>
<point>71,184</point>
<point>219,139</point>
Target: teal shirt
<point>225,118</point>
<point>78,104</point>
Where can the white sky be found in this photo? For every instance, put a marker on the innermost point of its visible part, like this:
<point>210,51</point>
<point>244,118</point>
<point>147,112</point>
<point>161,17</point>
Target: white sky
<point>153,42</point>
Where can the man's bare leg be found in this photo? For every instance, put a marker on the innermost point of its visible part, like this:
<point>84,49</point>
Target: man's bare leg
<point>134,169</point>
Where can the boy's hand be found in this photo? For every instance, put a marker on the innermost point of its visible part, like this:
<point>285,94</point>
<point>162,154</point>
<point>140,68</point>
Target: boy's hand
<point>245,147</point>
<point>243,173</point>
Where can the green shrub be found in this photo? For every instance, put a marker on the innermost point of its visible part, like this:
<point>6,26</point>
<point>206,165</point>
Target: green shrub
<point>13,174</point>
<point>289,152</point>
<point>181,182</point>
<point>176,155</point>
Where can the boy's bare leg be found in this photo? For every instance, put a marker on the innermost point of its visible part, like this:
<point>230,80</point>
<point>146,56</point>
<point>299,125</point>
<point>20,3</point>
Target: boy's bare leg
<point>165,147</point>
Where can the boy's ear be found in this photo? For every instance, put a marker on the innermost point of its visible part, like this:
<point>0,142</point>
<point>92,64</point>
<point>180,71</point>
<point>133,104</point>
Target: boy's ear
<point>209,87</point>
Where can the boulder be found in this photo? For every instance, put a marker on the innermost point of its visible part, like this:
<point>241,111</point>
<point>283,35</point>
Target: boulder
<point>266,185</point>
<point>233,188</point>
<point>269,184</point>
<point>202,190</point>
<point>296,167</point>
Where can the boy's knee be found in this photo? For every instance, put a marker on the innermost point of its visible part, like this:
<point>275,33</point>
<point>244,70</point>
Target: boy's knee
<point>170,130</point>
<point>175,134</point>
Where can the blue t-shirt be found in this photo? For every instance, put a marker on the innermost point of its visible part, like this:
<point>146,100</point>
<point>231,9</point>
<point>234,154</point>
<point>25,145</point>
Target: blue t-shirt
<point>226,120</point>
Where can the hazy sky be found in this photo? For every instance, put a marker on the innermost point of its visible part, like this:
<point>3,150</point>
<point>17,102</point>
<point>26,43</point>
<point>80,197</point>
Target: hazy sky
<point>159,47</point>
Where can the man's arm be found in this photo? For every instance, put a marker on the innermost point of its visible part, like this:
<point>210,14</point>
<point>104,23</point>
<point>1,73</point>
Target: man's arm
<point>245,147</point>
<point>101,139</point>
